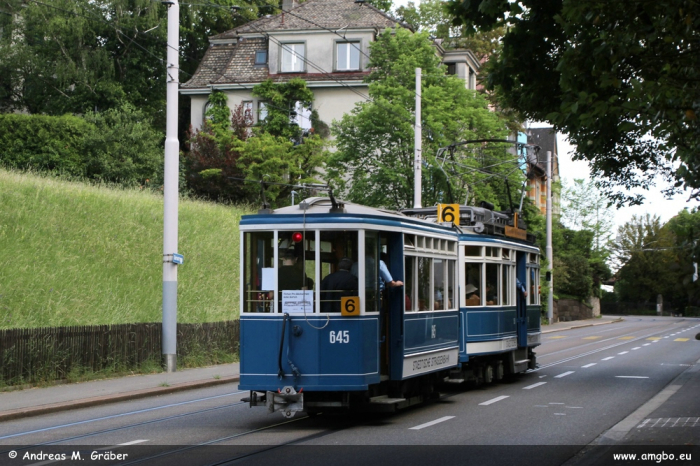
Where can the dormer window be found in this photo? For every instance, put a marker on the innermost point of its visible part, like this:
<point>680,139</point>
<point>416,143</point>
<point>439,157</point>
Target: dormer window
<point>261,57</point>
<point>293,55</point>
<point>348,56</point>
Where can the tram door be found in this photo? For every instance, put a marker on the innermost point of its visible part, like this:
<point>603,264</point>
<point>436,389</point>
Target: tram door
<point>387,248</point>
<point>520,299</point>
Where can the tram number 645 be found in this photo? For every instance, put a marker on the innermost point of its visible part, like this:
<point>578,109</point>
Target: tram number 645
<point>341,336</point>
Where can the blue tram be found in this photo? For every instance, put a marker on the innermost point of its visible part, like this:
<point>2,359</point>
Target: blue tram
<point>320,328</point>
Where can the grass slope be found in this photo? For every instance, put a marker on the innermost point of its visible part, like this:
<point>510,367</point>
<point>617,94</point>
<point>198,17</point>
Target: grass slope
<point>74,254</point>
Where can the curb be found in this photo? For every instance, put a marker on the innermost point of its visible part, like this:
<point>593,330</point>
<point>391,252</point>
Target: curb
<point>583,326</point>
<point>106,399</point>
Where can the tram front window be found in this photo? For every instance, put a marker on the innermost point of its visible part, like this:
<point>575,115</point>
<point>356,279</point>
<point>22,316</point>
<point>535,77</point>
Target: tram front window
<point>338,255</point>
<point>258,271</point>
<point>296,253</point>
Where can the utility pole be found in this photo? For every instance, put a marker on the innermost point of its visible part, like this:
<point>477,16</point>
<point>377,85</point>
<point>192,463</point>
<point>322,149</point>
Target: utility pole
<point>550,257</point>
<point>171,191</point>
<point>417,147</point>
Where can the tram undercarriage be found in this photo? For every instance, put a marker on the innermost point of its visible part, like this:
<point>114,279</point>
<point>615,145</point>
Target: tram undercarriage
<point>389,396</point>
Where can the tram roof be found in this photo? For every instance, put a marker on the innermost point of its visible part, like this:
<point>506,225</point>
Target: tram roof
<point>323,205</point>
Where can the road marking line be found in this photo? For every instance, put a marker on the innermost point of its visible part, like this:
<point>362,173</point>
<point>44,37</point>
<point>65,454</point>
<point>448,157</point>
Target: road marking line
<point>681,339</point>
<point>631,377</point>
<point>542,376</point>
<point>534,385</point>
<point>563,375</point>
<point>624,352</point>
<point>432,423</point>
<point>608,358</point>
<point>589,365</point>
<point>646,344</point>
<point>574,407</point>
<point>655,341</point>
<point>133,442</point>
<point>626,338</point>
<point>591,338</point>
<point>635,349</point>
<point>560,414</point>
<point>498,398</point>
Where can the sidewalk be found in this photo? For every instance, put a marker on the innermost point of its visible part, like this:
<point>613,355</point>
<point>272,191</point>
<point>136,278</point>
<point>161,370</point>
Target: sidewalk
<point>37,401</point>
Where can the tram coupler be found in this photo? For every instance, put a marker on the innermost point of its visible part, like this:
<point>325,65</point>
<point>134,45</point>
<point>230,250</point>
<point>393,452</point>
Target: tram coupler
<point>287,400</point>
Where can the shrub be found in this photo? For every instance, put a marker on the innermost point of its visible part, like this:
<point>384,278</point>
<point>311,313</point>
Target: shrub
<point>44,143</point>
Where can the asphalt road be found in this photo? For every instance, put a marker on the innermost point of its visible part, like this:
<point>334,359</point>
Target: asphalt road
<point>596,387</point>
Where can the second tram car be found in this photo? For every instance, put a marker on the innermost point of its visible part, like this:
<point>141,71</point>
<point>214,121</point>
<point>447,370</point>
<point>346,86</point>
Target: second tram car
<point>321,329</point>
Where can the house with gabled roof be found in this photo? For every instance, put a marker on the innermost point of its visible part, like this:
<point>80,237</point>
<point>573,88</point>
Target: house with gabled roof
<point>324,42</point>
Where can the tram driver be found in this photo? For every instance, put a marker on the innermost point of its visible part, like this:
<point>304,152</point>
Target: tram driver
<point>291,273</point>
<point>339,284</point>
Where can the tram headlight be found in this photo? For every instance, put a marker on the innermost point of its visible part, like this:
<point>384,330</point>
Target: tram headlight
<point>297,237</point>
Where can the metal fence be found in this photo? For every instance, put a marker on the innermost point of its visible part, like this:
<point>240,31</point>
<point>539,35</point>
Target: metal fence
<point>51,353</point>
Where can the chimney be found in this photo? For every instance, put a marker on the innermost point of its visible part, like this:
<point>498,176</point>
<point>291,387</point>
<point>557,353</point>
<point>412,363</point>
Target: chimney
<point>288,4</point>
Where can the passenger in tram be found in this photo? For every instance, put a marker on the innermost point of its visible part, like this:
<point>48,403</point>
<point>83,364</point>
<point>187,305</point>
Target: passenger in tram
<point>338,284</point>
<point>291,273</point>
<point>472,295</point>
<point>385,277</point>
<point>521,288</point>
<point>491,295</point>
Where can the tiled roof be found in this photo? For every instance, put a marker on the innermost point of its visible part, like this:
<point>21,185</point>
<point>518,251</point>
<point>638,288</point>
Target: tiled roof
<point>318,14</point>
<point>230,63</point>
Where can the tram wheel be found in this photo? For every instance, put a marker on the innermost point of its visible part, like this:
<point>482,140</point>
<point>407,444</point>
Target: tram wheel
<point>488,374</point>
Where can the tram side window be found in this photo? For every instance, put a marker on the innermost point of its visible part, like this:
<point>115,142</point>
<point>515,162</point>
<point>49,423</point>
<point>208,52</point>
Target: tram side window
<point>533,297</point>
<point>409,284</point>
<point>258,269</point>
<point>492,285</point>
<point>296,268</point>
<point>439,284</point>
<point>424,291</point>
<point>506,284</point>
<point>473,251</point>
<point>451,288</point>
<point>473,284</point>
<point>338,254</point>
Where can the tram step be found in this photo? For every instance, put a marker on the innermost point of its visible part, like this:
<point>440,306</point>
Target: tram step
<point>522,361</point>
<point>385,400</point>
<point>448,380</point>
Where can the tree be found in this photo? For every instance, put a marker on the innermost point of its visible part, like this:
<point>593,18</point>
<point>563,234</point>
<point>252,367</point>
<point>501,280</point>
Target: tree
<point>227,159</point>
<point>75,56</point>
<point>433,17</point>
<point>586,208</point>
<point>686,229</point>
<point>284,103</point>
<point>646,253</point>
<point>620,78</point>
<point>374,161</point>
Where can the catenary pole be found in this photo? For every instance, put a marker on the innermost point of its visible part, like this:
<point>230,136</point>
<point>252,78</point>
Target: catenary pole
<point>550,258</point>
<point>418,138</point>
<point>170,191</point>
